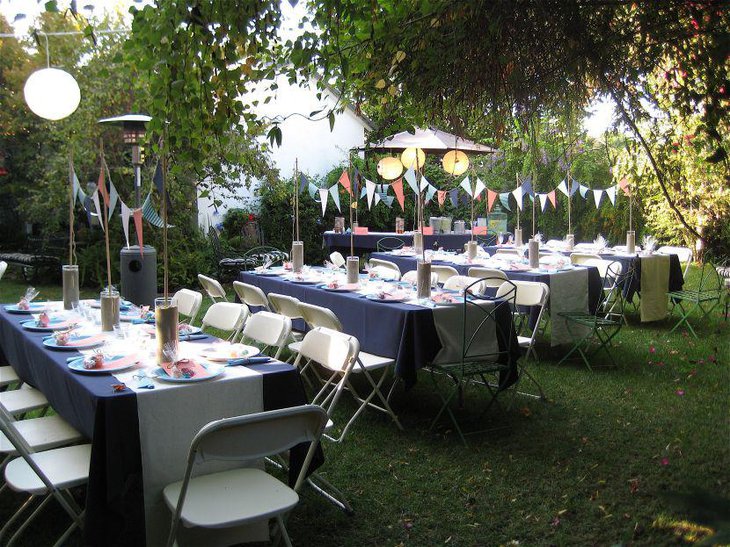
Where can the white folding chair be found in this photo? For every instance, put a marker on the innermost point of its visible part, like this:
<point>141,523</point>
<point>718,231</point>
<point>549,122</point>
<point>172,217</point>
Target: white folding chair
<point>212,287</point>
<point>243,495</point>
<point>443,272</point>
<point>3,267</point>
<point>385,269</point>
<point>188,303</point>
<point>251,295</point>
<point>319,317</point>
<point>582,258</point>
<point>411,276</point>
<point>284,304</point>
<point>492,277</point>
<point>26,399</point>
<point>270,330</point>
<point>226,316</point>
<point>684,254</point>
<point>508,252</point>
<point>337,259</point>
<point>460,282</point>
<point>43,469</point>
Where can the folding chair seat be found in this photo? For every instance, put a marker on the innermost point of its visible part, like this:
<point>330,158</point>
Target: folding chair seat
<point>243,495</point>
<point>385,269</point>
<point>212,287</point>
<point>460,282</point>
<point>443,272</point>
<point>251,295</point>
<point>508,252</point>
<point>8,376</point>
<point>25,399</point>
<point>269,330</point>
<point>226,316</point>
<point>289,306</point>
<point>704,298</point>
<point>337,259</point>
<point>43,469</point>
<point>411,277</point>
<point>582,258</point>
<point>492,278</point>
<point>188,303</point>
<point>684,254</point>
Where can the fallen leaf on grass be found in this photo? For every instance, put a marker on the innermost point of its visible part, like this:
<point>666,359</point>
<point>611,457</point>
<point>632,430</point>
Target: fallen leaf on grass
<point>665,461</point>
<point>680,392</point>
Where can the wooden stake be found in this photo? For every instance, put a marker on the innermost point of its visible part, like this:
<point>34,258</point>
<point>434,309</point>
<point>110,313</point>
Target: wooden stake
<point>71,239</point>
<point>105,220</point>
<point>166,274</point>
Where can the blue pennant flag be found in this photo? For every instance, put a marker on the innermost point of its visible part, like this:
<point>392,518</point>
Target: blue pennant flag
<point>157,179</point>
<point>527,187</point>
<point>454,197</point>
<point>303,182</point>
<point>504,200</point>
<point>574,185</point>
<point>150,215</point>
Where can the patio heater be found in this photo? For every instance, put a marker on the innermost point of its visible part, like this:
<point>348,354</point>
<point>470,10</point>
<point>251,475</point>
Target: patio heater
<point>138,270</point>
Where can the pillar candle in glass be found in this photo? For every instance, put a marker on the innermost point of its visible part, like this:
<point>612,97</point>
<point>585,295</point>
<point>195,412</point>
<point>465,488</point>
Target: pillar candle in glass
<point>631,242</point>
<point>70,275</point>
<point>569,242</point>
<point>353,269</point>
<point>533,253</point>
<point>399,225</point>
<point>423,279</point>
<point>166,320</point>
<point>518,237</point>
<point>109,301</point>
<point>418,242</point>
<point>297,256</point>
<point>471,249</point>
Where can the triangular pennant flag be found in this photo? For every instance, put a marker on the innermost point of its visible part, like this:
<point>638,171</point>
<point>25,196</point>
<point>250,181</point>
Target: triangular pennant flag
<point>363,192</point>
<point>597,195</point>
<point>441,197</point>
<point>527,187</point>
<point>491,197</point>
<point>376,199</point>
<point>345,182</point>
<point>410,177</point>
<point>370,189</point>
<point>398,189</point>
<point>583,191</point>
<point>479,187</point>
<point>79,191</point>
<point>454,197</point>
<point>574,186</point>
<point>157,178</point>
<point>95,199</point>
<point>101,185</point>
<point>72,179</point>
<point>563,187</point>
<point>517,193</point>
<point>334,192</point>
<point>463,200</point>
<point>543,201</point>
<point>303,182</point>
<point>551,197</point>
<point>356,182</point>
<point>466,185</point>
<point>126,213</point>
<point>149,213</point>
<point>113,198</point>
<point>504,200</point>
<point>137,214</point>
<point>625,187</point>
<point>388,200</point>
<point>424,183</point>
<point>323,198</point>
<point>532,198</point>
<point>611,193</point>
<point>430,192</point>
<point>87,207</point>
<point>312,191</point>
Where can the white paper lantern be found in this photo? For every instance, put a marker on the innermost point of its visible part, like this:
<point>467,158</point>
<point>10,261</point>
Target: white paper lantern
<point>390,168</point>
<point>455,162</point>
<point>52,93</point>
<point>413,157</point>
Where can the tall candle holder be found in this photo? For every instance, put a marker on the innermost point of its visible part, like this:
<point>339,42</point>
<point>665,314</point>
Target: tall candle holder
<point>423,279</point>
<point>109,302</point>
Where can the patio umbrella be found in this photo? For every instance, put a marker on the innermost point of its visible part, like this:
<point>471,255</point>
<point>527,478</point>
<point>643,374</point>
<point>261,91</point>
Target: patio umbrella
<point>430,141</point>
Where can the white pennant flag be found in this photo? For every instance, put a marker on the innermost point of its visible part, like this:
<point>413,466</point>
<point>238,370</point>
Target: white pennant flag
<point>583,191</point>
<point>410,177</point>
<point>377,199</point>
<point>479,187</point>
<point>563,187</point>
<point>370,188</point>
<point>95,199</point>
<point>517,193</point>
<point>323,192</point>
<point>126,213</point>
<point>543,201</point>
<point>334,192</point>
<point>430,193</point>
<point>424,183</point>
<point>466,185</point>
<point>611,193</point>
<point>597,195</point>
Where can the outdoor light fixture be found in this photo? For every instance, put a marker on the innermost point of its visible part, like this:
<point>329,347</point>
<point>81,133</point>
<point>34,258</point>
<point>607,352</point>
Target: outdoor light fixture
<point>455,162</point>
<point>390,168</point>
<point>52,93</point>
<point>413,157</point>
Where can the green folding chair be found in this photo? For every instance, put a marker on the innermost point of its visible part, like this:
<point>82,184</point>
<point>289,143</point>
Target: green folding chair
<point>491,365</point>
<point>705,298</point>
<point>593,332</point>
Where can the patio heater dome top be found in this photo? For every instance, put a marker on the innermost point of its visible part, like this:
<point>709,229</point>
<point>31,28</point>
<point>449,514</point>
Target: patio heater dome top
<point>132,124</point>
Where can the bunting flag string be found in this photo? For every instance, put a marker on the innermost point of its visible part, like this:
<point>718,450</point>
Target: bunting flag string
<point>344,180</point>
<point>398,189</point>
<point>370,191</point>
<point>323,198</point>
<point>552,198</point>
<point>424,183</point>
<point>479,187</point>
<point>303,182</point>
<point>95,200</point>
<point>504,200</point>
<point>126,213</point>
<point>410,176</point>
<point>624,185</point>
<point>597,196</point>
<point>583,191</point>
<point>543,201</point>
<point>611,193</point>
<point>137,214</point>
<point>454,197</point>
<point>491,197</point>
<point>430,193</point>
<point>563,187</point>
<point>441,197</point>
<point>149,213</point>
<point>334,192</point>
<point>518,194</point>
<point>466,185</point>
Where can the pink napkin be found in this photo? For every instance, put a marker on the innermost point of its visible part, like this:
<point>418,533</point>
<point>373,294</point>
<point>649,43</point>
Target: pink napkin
<point>96,339</point>
<point>116,363</point>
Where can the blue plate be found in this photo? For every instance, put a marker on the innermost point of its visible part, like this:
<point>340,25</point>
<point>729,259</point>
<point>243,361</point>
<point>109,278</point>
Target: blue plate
<point>34,308</point>
<point>215,371</point>
<point>387,301</point>
<point>55,324</point>
<point>77,365</point>
<point>125,305</point>
<point>50,342</point>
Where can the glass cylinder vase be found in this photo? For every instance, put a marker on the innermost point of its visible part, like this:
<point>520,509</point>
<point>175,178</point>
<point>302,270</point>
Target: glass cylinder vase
<point>423,279</point>
<point>70,275</point>
<point>353,270</point>
<point>631,242</point>
<point>418,242</point>
<point>533,253</point>
<point>297,256</point>
<point>471,250</point>
<point>569,242</point>
<point>518,237</point>
<point>109,303</point>
<point>166,321</point>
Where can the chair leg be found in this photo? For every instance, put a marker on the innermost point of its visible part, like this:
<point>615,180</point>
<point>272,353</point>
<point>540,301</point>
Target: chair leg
<point>330,492</point>
<point>282,531</point>
<point>26,504</point>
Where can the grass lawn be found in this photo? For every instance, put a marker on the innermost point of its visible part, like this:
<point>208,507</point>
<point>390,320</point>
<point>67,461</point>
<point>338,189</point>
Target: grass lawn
<point>596,464</point>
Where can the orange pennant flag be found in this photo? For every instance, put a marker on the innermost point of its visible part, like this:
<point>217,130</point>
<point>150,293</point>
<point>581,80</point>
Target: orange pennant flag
<point>441,196</point>
<point>491,197</point>
<point>137,214</point>
<point>551,197</point>
<point>345,181</point>
<point>398,189</point>
<point>101,184</point>
<point>624,185</point>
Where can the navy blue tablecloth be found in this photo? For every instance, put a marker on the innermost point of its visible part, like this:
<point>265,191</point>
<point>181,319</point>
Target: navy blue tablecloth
<point>404,332</point>
<point>366,243</point>
<point>114,499</point>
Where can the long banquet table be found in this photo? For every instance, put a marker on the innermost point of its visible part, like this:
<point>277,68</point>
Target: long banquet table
<point>404,332</point>
<point>140,437</point>
<point>366,243</point>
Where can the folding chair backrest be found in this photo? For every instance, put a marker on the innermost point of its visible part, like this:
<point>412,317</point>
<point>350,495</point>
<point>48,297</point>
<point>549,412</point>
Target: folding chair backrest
<point>330,348</point>
<point>684,254</point>
<point>444,272</point>
<point>270,329</point>
<point>285,305</point>
<point>582,258</point>
<point>211,287</point>
<point>317,316</point>
<point>385,273</point>
<point>489,275</point>
<point>481,321</point>
<point>529,293</point>
<point>337,259</point>
<point>710,279</point>
<point>227,316</point>
<point>555,243</point>
<point>3,267</point>
<point>386,264</point>
<point>188,303</point>
<point>603,266</point>
<point>389,244</point>
<point>251,295</point>
<point>611,303</point>
<point>511,252</point>
<point>460,282</point>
